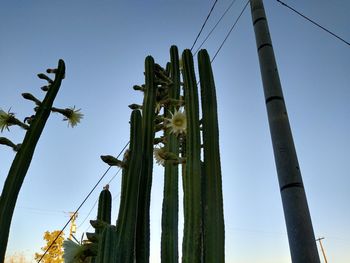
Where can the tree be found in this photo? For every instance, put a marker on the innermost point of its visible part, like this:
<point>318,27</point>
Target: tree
<point>55,253</point>
<point>17,257</point>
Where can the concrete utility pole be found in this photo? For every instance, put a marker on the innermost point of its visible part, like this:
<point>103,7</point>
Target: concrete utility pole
<point>301,237</point>
<point>323,252</point>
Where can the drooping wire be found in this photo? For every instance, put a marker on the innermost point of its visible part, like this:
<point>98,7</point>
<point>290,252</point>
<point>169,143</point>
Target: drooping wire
<point>313,22</point>
<point>76,211</point>
<point>217,23</point>
<point>92,208</point>
<point>228,34</point>
<point>200,31</point>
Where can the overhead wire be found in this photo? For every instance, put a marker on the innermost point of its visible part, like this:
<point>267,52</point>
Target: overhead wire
<point>95,203</point>
<point>229,32</point>
<point>217,23</point>
<point>76,211</point>
<point>313,22</point>
<point>200,31</point>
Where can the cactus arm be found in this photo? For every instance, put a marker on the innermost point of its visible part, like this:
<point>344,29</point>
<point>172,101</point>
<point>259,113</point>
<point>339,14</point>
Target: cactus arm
<point>104,206</point>
<point>169,239</point>
<point>214,230</point>
<point>126,223</point>
<point>23,158</point>
<point>144,194</point>
<point>192,194</point>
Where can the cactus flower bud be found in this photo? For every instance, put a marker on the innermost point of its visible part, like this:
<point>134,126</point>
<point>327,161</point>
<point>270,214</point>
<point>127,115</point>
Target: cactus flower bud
<point>43,76</point>
<point>51,70</point>
<point>29,96</point>
<point>112,161</point>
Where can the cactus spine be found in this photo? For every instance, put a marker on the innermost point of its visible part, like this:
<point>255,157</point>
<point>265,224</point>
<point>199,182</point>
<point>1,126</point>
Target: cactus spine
<point>144,193</point>
<point>126,223</point>
<point>169,239</point>
<point>213,217</point>
<point>191,246</point>
<point>23,158</point>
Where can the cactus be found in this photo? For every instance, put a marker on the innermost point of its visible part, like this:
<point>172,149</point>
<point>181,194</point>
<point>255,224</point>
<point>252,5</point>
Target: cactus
<point>24,156</point>
<point>126,223</point>
<point>213,217</point>
<point>106,252</point>
<point>191,246</point>
<point>103,215</point>
<point>203,239</point>
<point>105,205</point>
<point>144,193</point>
<point>169,239</point>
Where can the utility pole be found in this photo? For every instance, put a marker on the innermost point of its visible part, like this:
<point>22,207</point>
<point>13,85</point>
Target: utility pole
<point>73,226</point>
<point>303,247</point>
<point>323,252</point>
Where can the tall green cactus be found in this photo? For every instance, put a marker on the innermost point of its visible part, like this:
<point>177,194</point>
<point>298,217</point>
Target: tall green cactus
<point>191,246</point>
<point>105,205</point>
<point>213,216</point>
<point>203,239</point>
<point>144,193</point>
<point>24,156</point>
<point>103,214</point>
<point>169,239</point>
<point>126,223</point>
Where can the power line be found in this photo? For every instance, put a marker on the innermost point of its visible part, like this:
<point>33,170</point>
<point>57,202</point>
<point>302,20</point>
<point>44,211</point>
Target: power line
<point>228,34</point>
<point>313,22</point>
<point>97,201</point>
<point>217,23</point>
<point>76,211</point>
<point>200,31</point>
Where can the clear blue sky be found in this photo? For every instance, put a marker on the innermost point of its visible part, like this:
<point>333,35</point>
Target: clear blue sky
<point>104,44</point>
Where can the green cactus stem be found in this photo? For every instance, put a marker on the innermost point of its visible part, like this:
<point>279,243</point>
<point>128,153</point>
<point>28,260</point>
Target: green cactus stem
<point>191,246</point>
<point>103,215</point>
<point>23,158</point>
<point>170,210</point>
<point>105,205</point>
<point>127,217</point>
<point>144,193</point>
<point>213,215</point>
<point>106,252</point>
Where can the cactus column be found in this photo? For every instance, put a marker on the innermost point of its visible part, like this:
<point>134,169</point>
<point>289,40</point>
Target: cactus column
<point>299,227</point>
<point>192,240</point>
<point>213,214</point>
<point>170,210</point>
<point>23,158</point>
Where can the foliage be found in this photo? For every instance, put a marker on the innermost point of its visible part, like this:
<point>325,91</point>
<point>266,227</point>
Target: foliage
<point>17,257</point>
<point>55,254</point>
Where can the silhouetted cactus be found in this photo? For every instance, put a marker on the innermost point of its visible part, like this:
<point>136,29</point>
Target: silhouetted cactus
<point>34,127</point>
<point>192,244</point>
<point>184,133</point>
<point>169,240</point>
<point>212,203</point>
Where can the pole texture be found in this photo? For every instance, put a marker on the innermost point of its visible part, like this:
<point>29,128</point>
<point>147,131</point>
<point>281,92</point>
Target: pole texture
<point>301,237</point>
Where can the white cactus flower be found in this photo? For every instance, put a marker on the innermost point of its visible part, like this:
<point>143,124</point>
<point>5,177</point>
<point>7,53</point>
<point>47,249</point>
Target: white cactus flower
<point>73,116</point>
<point>72,251</point>
<point>177,123</point>
<point>5,118</point>
<point>159,154</point>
